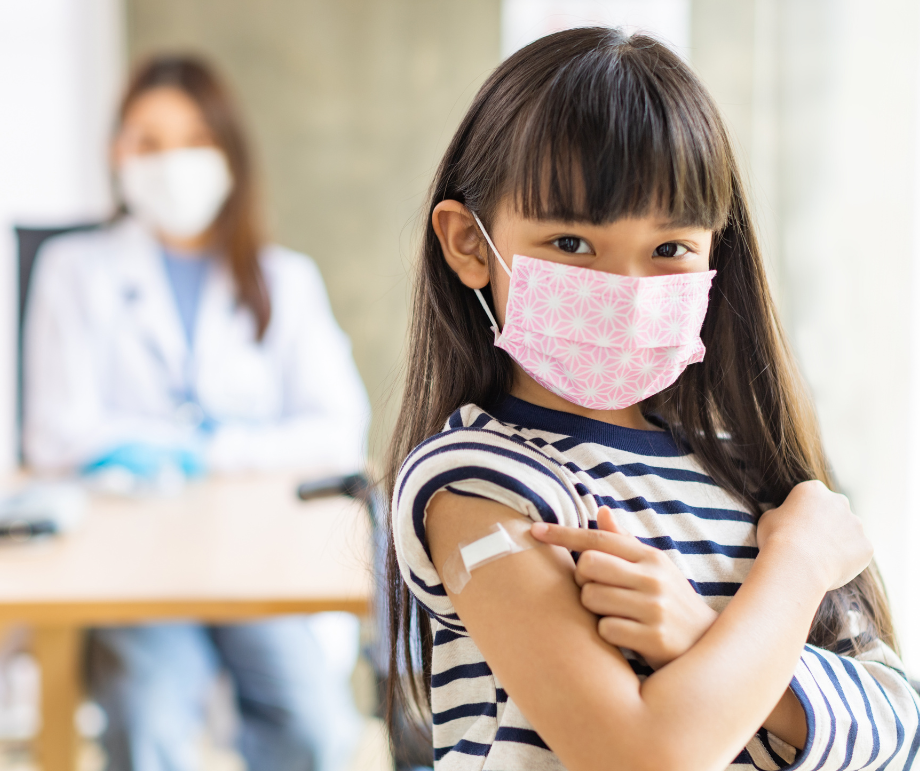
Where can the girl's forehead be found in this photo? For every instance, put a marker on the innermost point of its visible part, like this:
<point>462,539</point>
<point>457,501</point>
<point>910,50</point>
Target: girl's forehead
<point>659,210</point>
<point>655,221</point>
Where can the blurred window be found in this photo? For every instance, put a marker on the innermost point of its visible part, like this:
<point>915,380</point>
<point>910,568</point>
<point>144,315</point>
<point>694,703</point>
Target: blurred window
<point>523,21</point>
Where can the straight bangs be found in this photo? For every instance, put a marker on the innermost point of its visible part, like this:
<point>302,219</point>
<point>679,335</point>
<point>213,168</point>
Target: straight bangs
<point>624,130</point>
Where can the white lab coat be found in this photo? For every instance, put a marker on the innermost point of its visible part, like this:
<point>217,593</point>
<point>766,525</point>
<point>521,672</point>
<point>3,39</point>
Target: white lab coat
<point>106,361</point>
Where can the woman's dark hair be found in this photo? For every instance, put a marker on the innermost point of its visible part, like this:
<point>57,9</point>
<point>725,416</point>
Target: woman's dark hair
<point>238,227</point>
<point>591,125</point>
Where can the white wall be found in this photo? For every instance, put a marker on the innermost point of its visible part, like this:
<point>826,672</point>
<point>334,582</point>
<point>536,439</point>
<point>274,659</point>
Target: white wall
<point>523,21</point>
<point>61,66</point>
<point>823,98</point>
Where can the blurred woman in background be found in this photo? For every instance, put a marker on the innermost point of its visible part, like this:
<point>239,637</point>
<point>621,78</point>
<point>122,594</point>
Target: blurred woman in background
<point>174,341</point>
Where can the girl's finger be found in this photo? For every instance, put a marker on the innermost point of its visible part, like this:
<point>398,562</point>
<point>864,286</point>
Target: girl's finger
<point>608,569</point>
<point>616,601</point>
<point>580,539</point>
<point>607,521</point>
<point>623,632</point>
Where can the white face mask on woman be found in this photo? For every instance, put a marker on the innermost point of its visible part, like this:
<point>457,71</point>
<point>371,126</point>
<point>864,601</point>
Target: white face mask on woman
<point>178,192</point>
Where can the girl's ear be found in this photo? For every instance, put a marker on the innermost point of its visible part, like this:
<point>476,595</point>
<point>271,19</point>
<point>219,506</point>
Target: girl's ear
<point>461,243</point>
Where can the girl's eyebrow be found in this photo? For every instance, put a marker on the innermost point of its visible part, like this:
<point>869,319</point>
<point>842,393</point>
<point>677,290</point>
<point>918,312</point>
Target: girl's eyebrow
<point>660,226</point>
<point>565,223</point>
<point>676,225</point>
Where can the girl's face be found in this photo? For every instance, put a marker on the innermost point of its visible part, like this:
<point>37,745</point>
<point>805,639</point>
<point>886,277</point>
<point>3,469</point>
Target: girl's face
<point>644,246</point>
<point>639,247</point>
<point>161,119</point>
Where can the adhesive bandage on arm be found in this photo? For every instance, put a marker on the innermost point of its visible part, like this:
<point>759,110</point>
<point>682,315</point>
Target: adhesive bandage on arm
<point>497,543</point>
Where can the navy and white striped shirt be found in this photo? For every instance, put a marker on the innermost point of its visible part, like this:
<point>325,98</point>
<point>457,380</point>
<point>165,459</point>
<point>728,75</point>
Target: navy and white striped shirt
<point>558,467</point>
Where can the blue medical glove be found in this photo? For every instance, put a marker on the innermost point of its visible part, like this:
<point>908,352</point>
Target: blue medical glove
<point>147,461</point>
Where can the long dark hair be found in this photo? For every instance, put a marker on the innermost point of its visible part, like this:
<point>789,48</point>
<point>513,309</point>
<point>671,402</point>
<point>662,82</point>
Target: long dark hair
<point>592,125</point>
<point>238,227</point>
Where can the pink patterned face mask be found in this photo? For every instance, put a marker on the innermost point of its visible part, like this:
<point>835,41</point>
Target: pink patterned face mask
<point>597,339</point>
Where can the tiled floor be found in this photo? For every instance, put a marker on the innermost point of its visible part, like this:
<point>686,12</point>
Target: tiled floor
<point>19,689</point>
<point>371,754</point>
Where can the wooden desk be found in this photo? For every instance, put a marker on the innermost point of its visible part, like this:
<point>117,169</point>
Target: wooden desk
<point>225,550</point>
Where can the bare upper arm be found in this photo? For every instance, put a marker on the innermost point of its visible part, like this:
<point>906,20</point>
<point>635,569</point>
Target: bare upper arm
<point>525,614</point>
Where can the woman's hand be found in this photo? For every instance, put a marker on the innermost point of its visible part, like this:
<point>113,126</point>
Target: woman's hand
<point>644,602</point>
<point>819,524</point>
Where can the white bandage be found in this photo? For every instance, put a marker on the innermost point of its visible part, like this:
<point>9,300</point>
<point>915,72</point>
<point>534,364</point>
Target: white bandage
<point>496,544</point>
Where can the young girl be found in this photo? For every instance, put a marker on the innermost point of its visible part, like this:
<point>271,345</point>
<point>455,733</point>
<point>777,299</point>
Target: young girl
<point>563,383</point>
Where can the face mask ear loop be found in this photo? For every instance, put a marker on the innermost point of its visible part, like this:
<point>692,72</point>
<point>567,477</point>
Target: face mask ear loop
<point>489,242</point>
<point>482,300</point>
<point>485,307</point>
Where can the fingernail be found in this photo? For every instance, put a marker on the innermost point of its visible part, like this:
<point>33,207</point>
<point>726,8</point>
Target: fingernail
<point>538,529</point>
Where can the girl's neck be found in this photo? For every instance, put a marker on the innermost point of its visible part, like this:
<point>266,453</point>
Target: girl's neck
<point>529,390</point>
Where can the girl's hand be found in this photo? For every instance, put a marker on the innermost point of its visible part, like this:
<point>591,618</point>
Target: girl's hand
<point>645,603</point>
<point>819,524</point>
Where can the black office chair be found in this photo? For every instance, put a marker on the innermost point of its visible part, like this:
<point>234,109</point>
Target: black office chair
<point>29,241</point>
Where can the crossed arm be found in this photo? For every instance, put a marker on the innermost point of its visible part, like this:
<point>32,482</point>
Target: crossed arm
<point>697,712</point>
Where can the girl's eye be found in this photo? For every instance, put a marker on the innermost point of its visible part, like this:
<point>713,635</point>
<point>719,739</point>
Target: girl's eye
<point>671,249</point>
<point>572,245</point>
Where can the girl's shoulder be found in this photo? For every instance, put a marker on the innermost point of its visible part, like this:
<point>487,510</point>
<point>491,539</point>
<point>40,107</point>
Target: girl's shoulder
<point>472,428</point>
<point>478,454</point>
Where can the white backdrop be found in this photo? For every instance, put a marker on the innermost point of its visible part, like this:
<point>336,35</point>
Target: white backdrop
<point>824,100</point>
<point>523,21</point>
<point>61,65</point>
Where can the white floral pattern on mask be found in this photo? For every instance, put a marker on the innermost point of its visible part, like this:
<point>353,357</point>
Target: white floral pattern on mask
<point>602,340</point>
<point>596,339</point>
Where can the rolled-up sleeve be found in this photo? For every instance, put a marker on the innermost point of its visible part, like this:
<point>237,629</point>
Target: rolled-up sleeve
<point>862,712</point>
